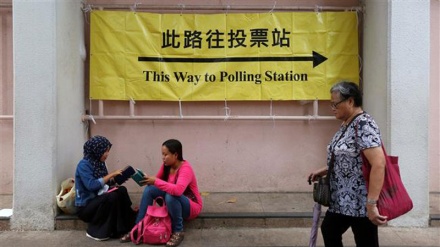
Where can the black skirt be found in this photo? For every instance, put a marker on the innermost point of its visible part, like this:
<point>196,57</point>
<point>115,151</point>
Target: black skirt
<point>109,215</point>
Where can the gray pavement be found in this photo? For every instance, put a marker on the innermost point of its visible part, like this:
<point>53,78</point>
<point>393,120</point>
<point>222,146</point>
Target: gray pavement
<point>227,237</point>
<point>217,230</point>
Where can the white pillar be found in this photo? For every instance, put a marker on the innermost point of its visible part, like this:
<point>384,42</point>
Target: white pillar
<point>48,103</point>
<point>409,86</point>
<point>34,36</point>
<point>396,75</point>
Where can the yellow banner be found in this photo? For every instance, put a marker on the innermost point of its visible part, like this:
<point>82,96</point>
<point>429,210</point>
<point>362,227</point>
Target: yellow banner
<point>211,57</point>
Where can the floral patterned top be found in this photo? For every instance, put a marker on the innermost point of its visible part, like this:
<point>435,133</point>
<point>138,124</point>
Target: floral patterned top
<point>347,184</point>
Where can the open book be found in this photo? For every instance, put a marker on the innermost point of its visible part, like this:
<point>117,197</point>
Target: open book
<point>138,176</point>
<point>129,172</point>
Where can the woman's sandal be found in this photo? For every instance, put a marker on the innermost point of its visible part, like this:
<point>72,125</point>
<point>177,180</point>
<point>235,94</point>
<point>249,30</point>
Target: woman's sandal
<point>176,239</point>
<point>125,238</point>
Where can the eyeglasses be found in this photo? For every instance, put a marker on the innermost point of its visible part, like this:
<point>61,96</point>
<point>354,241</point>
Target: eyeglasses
<point>335,105</point>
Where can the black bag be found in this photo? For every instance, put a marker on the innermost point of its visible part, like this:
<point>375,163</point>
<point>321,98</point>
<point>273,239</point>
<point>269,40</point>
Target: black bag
<point>321,191</point>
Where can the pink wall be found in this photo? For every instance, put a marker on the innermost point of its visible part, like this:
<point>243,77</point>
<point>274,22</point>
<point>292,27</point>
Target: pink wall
<point>6,101</point>
<point>228,155</point>
<point>434,116</point>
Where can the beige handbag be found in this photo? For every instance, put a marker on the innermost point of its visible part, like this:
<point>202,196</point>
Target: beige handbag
<point>66,197</point>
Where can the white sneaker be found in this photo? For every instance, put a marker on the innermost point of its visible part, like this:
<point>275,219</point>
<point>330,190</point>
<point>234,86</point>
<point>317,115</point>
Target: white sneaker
<point>97,239</point>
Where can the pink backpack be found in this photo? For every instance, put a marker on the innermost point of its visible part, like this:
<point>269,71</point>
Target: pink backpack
<point>155,227</point>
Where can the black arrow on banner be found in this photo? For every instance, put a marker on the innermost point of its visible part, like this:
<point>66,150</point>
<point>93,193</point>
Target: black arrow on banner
<point>316,58</point>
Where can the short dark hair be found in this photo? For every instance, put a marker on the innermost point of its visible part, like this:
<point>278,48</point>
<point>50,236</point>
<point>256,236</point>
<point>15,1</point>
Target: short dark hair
<point>347,89</point>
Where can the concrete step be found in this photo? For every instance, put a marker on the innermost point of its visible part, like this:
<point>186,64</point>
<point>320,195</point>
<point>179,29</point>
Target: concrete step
<point>231,220</point>
<point>262,210</point>
<point>206,221</point>
<point>237,210</point>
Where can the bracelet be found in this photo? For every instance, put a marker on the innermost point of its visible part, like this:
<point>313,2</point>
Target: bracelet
<point>371,201</point>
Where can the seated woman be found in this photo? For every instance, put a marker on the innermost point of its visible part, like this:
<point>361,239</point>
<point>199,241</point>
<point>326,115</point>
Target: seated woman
<point>177,183</point>
<point>107,212</point>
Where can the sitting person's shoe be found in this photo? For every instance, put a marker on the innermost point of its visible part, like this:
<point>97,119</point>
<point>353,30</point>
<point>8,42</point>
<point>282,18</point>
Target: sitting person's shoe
<point>125,238</point>
<point>176,239</point>
<point>97,239</point>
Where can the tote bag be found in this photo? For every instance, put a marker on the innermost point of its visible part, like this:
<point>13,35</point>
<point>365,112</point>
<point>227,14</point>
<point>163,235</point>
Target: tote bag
<point>394,200</point>
<point>66,197</point>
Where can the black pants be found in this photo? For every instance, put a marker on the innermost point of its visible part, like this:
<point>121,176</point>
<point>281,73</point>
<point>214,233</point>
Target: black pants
<point>334,225</point>
<point>109,215</point>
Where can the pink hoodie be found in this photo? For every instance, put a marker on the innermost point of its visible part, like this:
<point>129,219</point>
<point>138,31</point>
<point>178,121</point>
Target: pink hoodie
<point>185,179</point>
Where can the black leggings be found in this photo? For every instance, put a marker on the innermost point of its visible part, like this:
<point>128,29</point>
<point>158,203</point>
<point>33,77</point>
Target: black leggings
<point>334,225</point>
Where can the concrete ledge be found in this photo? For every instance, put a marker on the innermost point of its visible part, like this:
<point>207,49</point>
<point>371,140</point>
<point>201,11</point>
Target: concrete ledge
<point>217,220</point>
<point>208,223</point>
<point>69,222</point>
<point>258,215</point>
<point>434,220</point>
<point>213,220</point>
<point>259,210</point>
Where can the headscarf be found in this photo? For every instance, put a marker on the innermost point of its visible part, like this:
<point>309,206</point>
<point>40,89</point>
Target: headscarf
<point>94,148</point>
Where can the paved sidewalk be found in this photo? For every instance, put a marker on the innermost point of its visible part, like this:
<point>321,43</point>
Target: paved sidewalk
<point>290,229</point>
<point>228,237</point>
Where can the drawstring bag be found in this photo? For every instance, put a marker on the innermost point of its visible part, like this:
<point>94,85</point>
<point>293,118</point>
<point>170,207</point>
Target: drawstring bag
<point>66,197</point>
<point>155,227</point>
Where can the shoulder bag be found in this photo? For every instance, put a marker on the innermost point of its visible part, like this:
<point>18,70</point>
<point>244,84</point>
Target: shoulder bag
<point>394,200</point>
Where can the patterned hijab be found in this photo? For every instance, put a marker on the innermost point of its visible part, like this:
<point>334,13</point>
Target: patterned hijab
<point>94,148</point>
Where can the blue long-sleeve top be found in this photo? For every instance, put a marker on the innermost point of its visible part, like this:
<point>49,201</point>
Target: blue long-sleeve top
<point>86,185</point>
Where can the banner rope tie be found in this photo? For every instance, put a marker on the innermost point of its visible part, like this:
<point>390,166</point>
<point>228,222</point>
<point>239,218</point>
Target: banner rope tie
<point>180,109</point>
<point>273,7</point>
<point>227,111</point>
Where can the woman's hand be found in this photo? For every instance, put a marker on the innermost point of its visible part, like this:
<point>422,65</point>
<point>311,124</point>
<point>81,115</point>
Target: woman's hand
<point>115,173</point>
<point>149,180</point>
<point>312,177</point>
<point>374,216</point>
<point>112,175</point>
<point>316,174</point>
<point>376,158</point>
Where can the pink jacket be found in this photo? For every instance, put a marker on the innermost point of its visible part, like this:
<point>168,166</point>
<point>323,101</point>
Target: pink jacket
<point>185,179</point>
